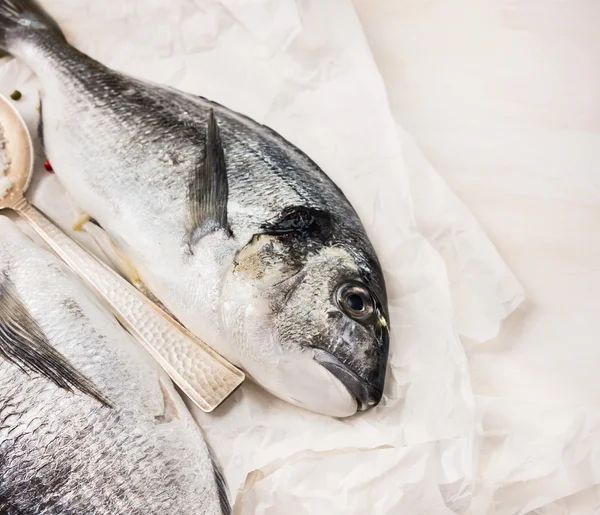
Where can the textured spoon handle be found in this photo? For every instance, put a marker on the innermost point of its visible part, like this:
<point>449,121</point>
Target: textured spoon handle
<point>200,372</point>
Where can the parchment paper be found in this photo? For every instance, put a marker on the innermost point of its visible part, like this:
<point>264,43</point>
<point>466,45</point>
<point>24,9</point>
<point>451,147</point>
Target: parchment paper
<point>304,68</point>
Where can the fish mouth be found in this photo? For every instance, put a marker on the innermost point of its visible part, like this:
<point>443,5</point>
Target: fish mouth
<point>367,396</point>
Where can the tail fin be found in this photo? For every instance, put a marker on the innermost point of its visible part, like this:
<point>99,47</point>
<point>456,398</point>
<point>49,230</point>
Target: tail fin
<point>22,20</point>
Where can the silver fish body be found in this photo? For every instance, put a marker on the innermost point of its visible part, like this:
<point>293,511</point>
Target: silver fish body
<point>88,422</point>
<point>239,234</point>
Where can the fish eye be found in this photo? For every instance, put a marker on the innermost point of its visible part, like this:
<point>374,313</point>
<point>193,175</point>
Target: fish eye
<point>355,301</point>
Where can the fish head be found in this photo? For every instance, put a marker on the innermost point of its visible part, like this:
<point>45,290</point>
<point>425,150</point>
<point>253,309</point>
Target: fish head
<point>310,324</point>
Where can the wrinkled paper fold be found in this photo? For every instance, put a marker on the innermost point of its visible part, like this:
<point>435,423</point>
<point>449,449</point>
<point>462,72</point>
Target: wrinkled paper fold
<point>305,69</point>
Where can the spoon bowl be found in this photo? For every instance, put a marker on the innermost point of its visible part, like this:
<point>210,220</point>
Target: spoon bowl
<point>19,147</point>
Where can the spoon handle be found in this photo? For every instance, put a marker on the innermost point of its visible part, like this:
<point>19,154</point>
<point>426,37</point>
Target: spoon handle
<point>203,375</point>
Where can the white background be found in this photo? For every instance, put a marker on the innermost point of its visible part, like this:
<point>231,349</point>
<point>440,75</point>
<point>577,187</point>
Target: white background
<point>503,97</point>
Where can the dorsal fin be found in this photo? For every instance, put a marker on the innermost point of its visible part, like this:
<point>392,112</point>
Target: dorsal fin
<point>208,188</point>
<point>24,344</point>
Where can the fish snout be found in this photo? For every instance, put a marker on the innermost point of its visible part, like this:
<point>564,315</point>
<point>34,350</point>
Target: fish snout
<point>368,394</point>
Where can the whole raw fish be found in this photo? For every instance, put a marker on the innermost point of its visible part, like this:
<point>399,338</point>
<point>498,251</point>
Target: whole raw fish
<point>88,422</point>
<point>237,232</point>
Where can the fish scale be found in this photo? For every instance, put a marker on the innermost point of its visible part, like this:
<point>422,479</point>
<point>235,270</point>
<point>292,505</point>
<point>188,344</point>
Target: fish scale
<point>196,197</point>
<point>64,451</point>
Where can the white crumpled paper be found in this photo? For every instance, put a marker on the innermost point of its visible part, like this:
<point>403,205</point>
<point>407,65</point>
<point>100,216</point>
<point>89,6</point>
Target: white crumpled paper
<point>500,94</point>
<point>305,69</point>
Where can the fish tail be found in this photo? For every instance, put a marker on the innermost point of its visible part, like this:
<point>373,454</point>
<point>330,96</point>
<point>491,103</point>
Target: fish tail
<point>24,21</point>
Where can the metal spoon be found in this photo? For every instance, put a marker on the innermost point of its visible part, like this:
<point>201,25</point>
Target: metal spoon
<point>205,377</point>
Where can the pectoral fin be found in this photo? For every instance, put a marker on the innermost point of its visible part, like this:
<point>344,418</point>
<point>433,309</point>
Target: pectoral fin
<point>24,344</point>
<point>84,222</point>
<point>208,188</point>
<point>80,221</point>
<point>120,261</point>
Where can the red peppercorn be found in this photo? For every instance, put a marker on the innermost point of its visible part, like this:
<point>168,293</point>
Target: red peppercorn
<point>48,166</point>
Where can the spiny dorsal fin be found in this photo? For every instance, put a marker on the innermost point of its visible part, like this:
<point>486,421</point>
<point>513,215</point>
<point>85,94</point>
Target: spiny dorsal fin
<point>24,344</point>
<point>208,187</point>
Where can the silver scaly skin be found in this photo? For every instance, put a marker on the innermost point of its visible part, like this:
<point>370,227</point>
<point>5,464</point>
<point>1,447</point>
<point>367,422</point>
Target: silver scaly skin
<point>88,422</point>
<point>237,232</point>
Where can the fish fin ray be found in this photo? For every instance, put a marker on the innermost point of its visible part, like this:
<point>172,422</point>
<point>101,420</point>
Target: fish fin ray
<point>119,260</point>
<point>208,189</point>
<point>24,344</point>
<point>221,483</point>
<point>80,221</point>
<point>169,408</point>
<point>13,13</point>
<point>116,257</point>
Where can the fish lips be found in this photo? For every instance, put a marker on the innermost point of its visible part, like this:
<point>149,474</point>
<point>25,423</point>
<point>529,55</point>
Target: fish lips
<point>367,395</point>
